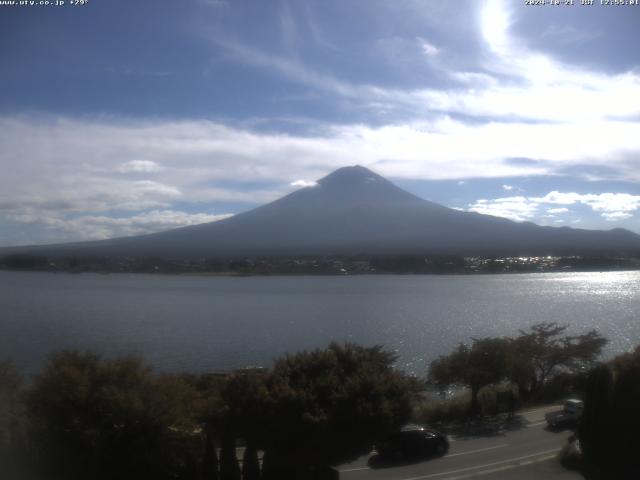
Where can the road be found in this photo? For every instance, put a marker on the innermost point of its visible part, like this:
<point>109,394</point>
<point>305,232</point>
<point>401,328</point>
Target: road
<point>527,451</point>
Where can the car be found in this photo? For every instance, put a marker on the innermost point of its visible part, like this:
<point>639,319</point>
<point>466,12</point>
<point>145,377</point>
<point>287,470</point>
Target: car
<point>413,441</point>
<point>568,417</point>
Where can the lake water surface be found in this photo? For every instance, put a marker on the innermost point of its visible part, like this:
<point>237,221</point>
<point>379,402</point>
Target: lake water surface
<point>209,323</point>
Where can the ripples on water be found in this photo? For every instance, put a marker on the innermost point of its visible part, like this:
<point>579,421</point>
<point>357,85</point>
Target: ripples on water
<point>201,323</point>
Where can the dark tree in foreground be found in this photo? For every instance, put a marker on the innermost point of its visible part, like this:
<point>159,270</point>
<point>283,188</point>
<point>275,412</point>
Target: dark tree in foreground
<point>537,355</point>
<point>210,416</point>
<point>482,363</point>
<point>246,397</point>
<point>111,419</point>
<point>11,417</point>
<point>328,406</point>
<point>611,420</point>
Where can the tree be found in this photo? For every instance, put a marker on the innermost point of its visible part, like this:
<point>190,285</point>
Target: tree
<point>10,386</point>
<point>328,406</point>
<point>535,356</point>
<point>246,397</point>
<point>11,416</point>
<point>232,408</point>
<point>475,366</point>
<point>111,419</point>
<point>611,419</point>
<point>209,415</point>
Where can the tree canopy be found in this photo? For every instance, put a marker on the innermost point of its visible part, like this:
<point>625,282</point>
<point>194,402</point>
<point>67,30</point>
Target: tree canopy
<point>11,416</point>
<point>611,420</point>
<point>329,406</point>
<point>536,355</point>
<point>528,360</point>
<point>482,363</point>
<point>110,419</point>
<point>91,417</point>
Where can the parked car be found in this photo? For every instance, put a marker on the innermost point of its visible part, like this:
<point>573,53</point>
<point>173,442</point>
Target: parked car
<point>413,441</point>
<point>568,417</point>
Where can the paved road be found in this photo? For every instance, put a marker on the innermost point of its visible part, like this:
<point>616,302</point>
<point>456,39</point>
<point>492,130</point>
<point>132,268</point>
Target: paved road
<point>527,452</point>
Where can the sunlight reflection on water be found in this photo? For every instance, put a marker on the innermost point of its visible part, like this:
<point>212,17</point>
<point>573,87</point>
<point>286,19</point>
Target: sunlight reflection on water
<point>202,323</point>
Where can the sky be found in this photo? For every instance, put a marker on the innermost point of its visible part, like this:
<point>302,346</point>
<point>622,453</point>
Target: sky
<point>121,118</point>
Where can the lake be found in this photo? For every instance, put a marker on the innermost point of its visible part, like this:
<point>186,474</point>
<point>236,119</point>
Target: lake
<point>214,323</point>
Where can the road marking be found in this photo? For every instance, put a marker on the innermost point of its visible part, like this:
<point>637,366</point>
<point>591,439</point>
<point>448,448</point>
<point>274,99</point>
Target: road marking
<point>354,469</point>
<point>549,407</point>
<point>477,451</point>
<point>477,467</point>
<point>501,469</point>
<point>502,445</point>
<point>536,424</point>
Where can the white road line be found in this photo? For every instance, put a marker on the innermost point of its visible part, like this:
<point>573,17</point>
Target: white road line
<point>536,424</point>
<point>501,469</point>
<point>478,467</point>
<point>549,407</point>
<point>502,445</point>
<point>356,469</point>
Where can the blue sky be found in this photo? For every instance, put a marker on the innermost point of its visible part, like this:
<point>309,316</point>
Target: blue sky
<point>120,117</point>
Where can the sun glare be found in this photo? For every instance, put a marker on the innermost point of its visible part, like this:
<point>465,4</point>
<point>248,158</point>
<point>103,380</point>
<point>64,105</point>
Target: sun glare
<point>494,23</point>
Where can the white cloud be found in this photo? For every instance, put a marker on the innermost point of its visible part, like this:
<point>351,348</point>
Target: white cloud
<point>557,210</point>
<point>545,110</point>
<point>89,227</point>
<point>139,166</point>
<point>75,167</point>
<point>303,183</point>
<point>518,209</point>
<point>518,82</point>
<point>610,206</point>
<point>614,216</point>
<point>75,162</point>
<point>548,90</point>
<point>428,48</point>
<point>613,206</point>
<point>149,186</point>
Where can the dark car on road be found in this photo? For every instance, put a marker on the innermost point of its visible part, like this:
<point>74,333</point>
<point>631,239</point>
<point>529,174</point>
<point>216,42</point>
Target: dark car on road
<point>413,441</point>
<point>568,417</point>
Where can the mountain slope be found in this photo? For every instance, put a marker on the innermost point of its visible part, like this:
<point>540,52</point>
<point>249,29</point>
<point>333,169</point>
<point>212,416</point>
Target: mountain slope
<point>355,211</point>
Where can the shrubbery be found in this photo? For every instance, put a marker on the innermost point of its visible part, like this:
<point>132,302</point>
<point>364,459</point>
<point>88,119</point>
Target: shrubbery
<point>110,419</point>
<point>541,363</point>
<point>89,417</point>
<point>116,419</point>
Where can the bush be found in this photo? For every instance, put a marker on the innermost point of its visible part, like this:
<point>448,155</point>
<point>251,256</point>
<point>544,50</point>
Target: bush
<point>99,419</point>
<point>457,408</point>
<point>439,411</point>
<point>329,406</point>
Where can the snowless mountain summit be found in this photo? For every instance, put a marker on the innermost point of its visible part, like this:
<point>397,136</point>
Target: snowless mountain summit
<point>356,211</point>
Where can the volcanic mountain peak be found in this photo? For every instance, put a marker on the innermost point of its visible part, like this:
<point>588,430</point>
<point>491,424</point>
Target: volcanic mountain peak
<point>354,185</point>
<point>355,211</point>
<point>355,174</point>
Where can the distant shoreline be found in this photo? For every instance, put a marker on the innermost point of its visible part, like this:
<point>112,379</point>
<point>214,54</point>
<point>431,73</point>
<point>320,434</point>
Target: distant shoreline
<point>337,265</point>
<point>232,274</point>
